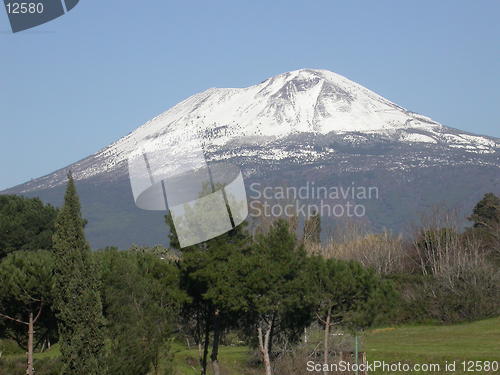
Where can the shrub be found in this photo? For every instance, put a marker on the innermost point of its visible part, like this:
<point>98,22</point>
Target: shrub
<point>385,252</point>
<point>17,366</point>
<point>465,292</point>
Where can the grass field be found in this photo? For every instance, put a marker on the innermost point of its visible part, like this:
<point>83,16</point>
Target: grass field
<point>429,344</point>
<point>475,343</point>
<point>233,360</point>
<point>478,341</point>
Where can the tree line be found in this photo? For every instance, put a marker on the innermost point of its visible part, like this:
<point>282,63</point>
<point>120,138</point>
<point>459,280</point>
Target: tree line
<point>116,312</point>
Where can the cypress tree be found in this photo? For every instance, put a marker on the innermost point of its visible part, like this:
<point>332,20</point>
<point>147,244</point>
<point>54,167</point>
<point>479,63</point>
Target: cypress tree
<point>76,290</point>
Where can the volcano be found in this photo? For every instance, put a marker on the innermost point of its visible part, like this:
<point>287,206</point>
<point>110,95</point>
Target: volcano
<point>298,128</point>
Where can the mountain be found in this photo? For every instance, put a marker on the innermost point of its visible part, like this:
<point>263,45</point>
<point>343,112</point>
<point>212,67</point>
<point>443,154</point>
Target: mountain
<point>301,128</point>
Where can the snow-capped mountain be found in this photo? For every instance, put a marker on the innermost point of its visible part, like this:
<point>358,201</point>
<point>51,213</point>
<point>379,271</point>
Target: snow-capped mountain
<point>298,125</point>
<point>256,122</point>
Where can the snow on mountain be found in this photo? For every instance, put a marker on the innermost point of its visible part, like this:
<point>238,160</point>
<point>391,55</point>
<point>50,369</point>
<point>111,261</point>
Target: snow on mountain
<point>305,100</point>
<point>299,103</point>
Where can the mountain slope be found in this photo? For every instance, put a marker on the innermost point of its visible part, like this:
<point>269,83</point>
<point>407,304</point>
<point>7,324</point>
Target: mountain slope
<point>300,126</point>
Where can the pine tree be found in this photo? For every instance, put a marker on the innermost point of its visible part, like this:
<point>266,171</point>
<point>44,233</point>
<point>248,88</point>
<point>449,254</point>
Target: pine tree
<point>140,300</point>
<point>203,269</point>
<point>270,285</point>
<point>26,279</point>
<point>348,295</point>
<point>486,214</point>
<point>77,297</point>
<point>25,224</point>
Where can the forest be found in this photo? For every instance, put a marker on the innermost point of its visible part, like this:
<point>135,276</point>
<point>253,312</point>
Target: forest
<point>280,288</point>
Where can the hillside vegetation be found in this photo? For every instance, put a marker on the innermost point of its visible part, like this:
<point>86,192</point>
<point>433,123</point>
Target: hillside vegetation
<point>268,297</point>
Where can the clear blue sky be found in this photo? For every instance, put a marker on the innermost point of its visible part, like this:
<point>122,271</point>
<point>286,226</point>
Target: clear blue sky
<point>72,86</point>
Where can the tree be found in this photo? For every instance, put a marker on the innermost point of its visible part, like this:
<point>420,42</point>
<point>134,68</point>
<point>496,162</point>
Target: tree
<point>437,249</point>
<point>486,213</point>
<point>312,229</point>
<point>213,275</point>
<point>203,268</point>
<point>76,291</point>
<point>141,295</point>
<point>486,218</point>
<point>25,224</point>
<point>26,280</point>
<point>348,295</point>
<point>271,286</point>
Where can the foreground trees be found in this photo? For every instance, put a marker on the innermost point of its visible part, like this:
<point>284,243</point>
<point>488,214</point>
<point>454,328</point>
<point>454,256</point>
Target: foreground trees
<point>141,298</point>
<point>25,224</point>
<point>26,280</point>
<point>203,271</point>
<point>76,292</point>
<point>349,295</point>
<point>264,288</point>
<point>271,287</point>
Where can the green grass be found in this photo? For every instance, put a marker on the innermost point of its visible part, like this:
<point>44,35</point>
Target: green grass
<point>426,344</point>
<point>478,341</point>
<point>49,353</point>
<point>232,359</point>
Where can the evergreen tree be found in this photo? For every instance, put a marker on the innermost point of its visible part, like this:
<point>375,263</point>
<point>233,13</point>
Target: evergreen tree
<point>203,268</point>
<point>348,295</point>
<point>270,284</point>
<point>76,291</point>
<point>141,296</point>
<point>25,224</point>
<point>26,279</point>
<point>486,214</point>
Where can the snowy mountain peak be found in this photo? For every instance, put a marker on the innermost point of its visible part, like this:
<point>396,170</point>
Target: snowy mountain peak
<point>298,127</point>
<point>294,110</point>
<point>304,100</point>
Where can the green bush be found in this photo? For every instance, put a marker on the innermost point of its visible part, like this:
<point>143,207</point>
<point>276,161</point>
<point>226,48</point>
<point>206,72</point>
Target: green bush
<point>17,366</point>
<point>48,366</point>
<point>13,366</point>
<point>10,347</point>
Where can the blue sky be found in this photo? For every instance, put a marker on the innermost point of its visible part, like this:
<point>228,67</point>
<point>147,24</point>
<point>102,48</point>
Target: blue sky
<point>74,85</point>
